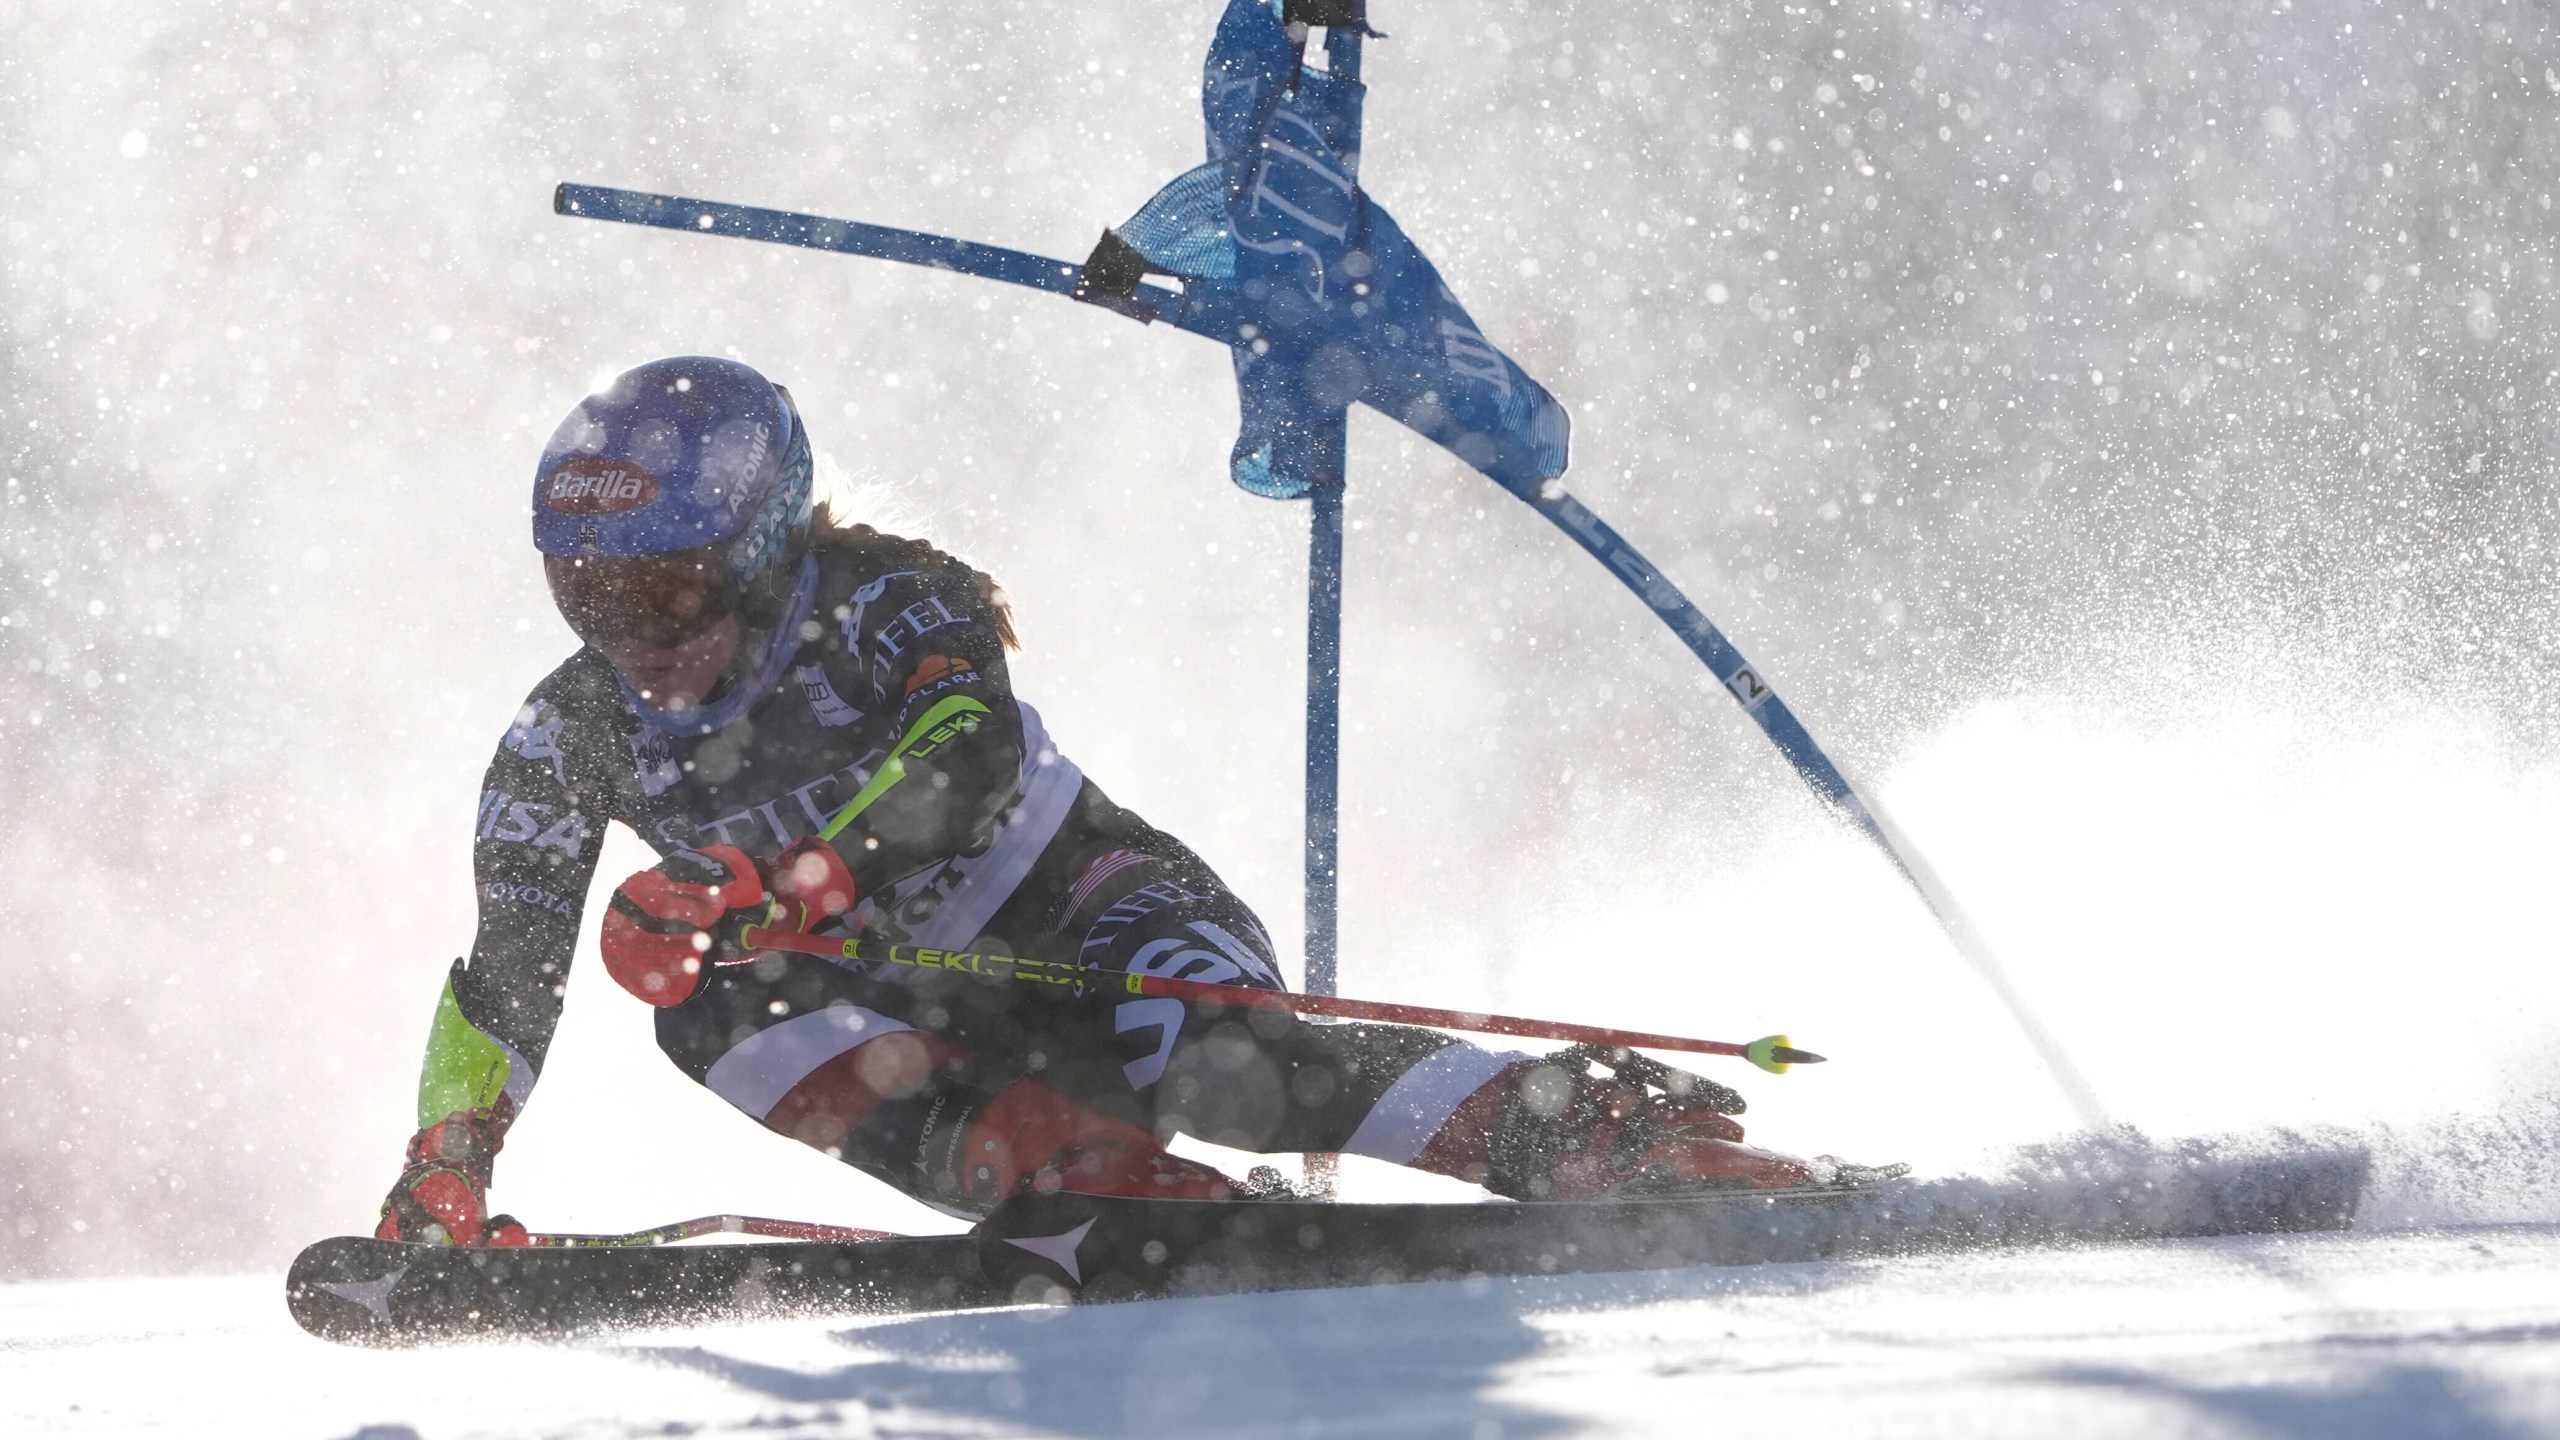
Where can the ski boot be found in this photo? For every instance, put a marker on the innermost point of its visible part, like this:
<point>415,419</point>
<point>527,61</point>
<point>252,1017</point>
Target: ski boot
<point>1554,1129</point>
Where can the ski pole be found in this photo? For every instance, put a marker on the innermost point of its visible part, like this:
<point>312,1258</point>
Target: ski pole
<point>710,1225</point>
<point>1772,1053</point>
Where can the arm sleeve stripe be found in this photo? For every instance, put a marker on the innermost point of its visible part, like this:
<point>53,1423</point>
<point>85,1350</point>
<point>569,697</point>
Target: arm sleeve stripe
<point>894,769</point>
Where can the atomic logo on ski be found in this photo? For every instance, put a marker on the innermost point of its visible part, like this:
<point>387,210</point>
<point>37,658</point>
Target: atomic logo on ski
<point>375,1295</point>
<point>1058,1250</point>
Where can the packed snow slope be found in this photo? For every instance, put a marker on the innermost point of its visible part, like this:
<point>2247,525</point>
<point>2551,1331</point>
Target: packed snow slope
<point>2440,1333</point>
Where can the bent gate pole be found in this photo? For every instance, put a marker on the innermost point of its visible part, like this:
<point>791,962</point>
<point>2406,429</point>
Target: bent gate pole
<point>1744,682</point>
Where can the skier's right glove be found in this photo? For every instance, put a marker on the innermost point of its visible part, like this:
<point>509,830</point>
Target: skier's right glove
<point>667,923</point>
<point>442,1197</point>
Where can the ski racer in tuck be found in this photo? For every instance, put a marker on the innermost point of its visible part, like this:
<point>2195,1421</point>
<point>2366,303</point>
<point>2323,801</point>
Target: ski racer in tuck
<point>753,673</point>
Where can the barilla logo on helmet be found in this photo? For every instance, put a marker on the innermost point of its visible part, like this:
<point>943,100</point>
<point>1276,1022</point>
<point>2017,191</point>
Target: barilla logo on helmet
<point>671,455</point>
<point>597,485</point>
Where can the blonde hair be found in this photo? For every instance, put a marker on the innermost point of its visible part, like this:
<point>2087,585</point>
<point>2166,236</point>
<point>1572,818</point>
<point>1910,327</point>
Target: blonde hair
<point>829,531</point>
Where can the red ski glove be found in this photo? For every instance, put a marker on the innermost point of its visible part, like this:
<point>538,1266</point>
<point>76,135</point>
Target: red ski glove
<point>667,923</point>
<point>442,1197</point>
<point>811,885</point>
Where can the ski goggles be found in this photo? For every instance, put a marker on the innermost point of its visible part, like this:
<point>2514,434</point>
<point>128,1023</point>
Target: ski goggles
<point>657,601</point>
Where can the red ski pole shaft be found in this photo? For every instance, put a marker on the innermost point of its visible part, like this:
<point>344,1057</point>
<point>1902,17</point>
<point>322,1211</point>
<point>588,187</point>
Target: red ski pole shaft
<point>1771,1053</point>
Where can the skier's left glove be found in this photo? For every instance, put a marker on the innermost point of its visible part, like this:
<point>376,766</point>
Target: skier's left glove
<point>690,911</point>
<point>442,1197</point>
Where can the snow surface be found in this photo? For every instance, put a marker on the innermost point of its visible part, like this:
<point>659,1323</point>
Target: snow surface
<point>2441,1332</point>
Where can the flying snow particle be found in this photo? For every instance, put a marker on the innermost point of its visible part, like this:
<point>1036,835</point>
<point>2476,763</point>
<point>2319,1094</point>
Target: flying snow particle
<point>134,145</point>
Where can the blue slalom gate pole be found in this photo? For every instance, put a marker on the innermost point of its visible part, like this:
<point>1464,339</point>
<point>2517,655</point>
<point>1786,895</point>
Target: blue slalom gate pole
<point>1324,670</point>
<point>1324,720</point>
<point>1208,316</point>
<point>1324,638</point>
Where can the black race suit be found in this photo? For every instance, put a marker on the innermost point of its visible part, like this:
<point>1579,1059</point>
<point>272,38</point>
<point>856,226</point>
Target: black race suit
<point>993,841</point>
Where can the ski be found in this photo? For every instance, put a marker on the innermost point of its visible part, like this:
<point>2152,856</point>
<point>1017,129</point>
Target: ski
<point>1094,1248</point>
<point>359,1290</point>
<point>1058,1248</point>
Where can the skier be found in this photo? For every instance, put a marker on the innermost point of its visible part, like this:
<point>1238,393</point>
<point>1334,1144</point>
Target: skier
<point>810,722</point>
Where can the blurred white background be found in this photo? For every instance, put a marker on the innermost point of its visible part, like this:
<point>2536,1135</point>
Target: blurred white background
<point>2127,437</point>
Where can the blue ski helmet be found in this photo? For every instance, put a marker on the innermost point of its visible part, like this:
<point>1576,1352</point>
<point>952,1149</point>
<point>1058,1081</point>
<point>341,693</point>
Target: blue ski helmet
<point>678,455</point>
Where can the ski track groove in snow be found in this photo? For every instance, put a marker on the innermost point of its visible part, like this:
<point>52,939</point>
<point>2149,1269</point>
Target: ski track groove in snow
<point>2452,1332</point>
